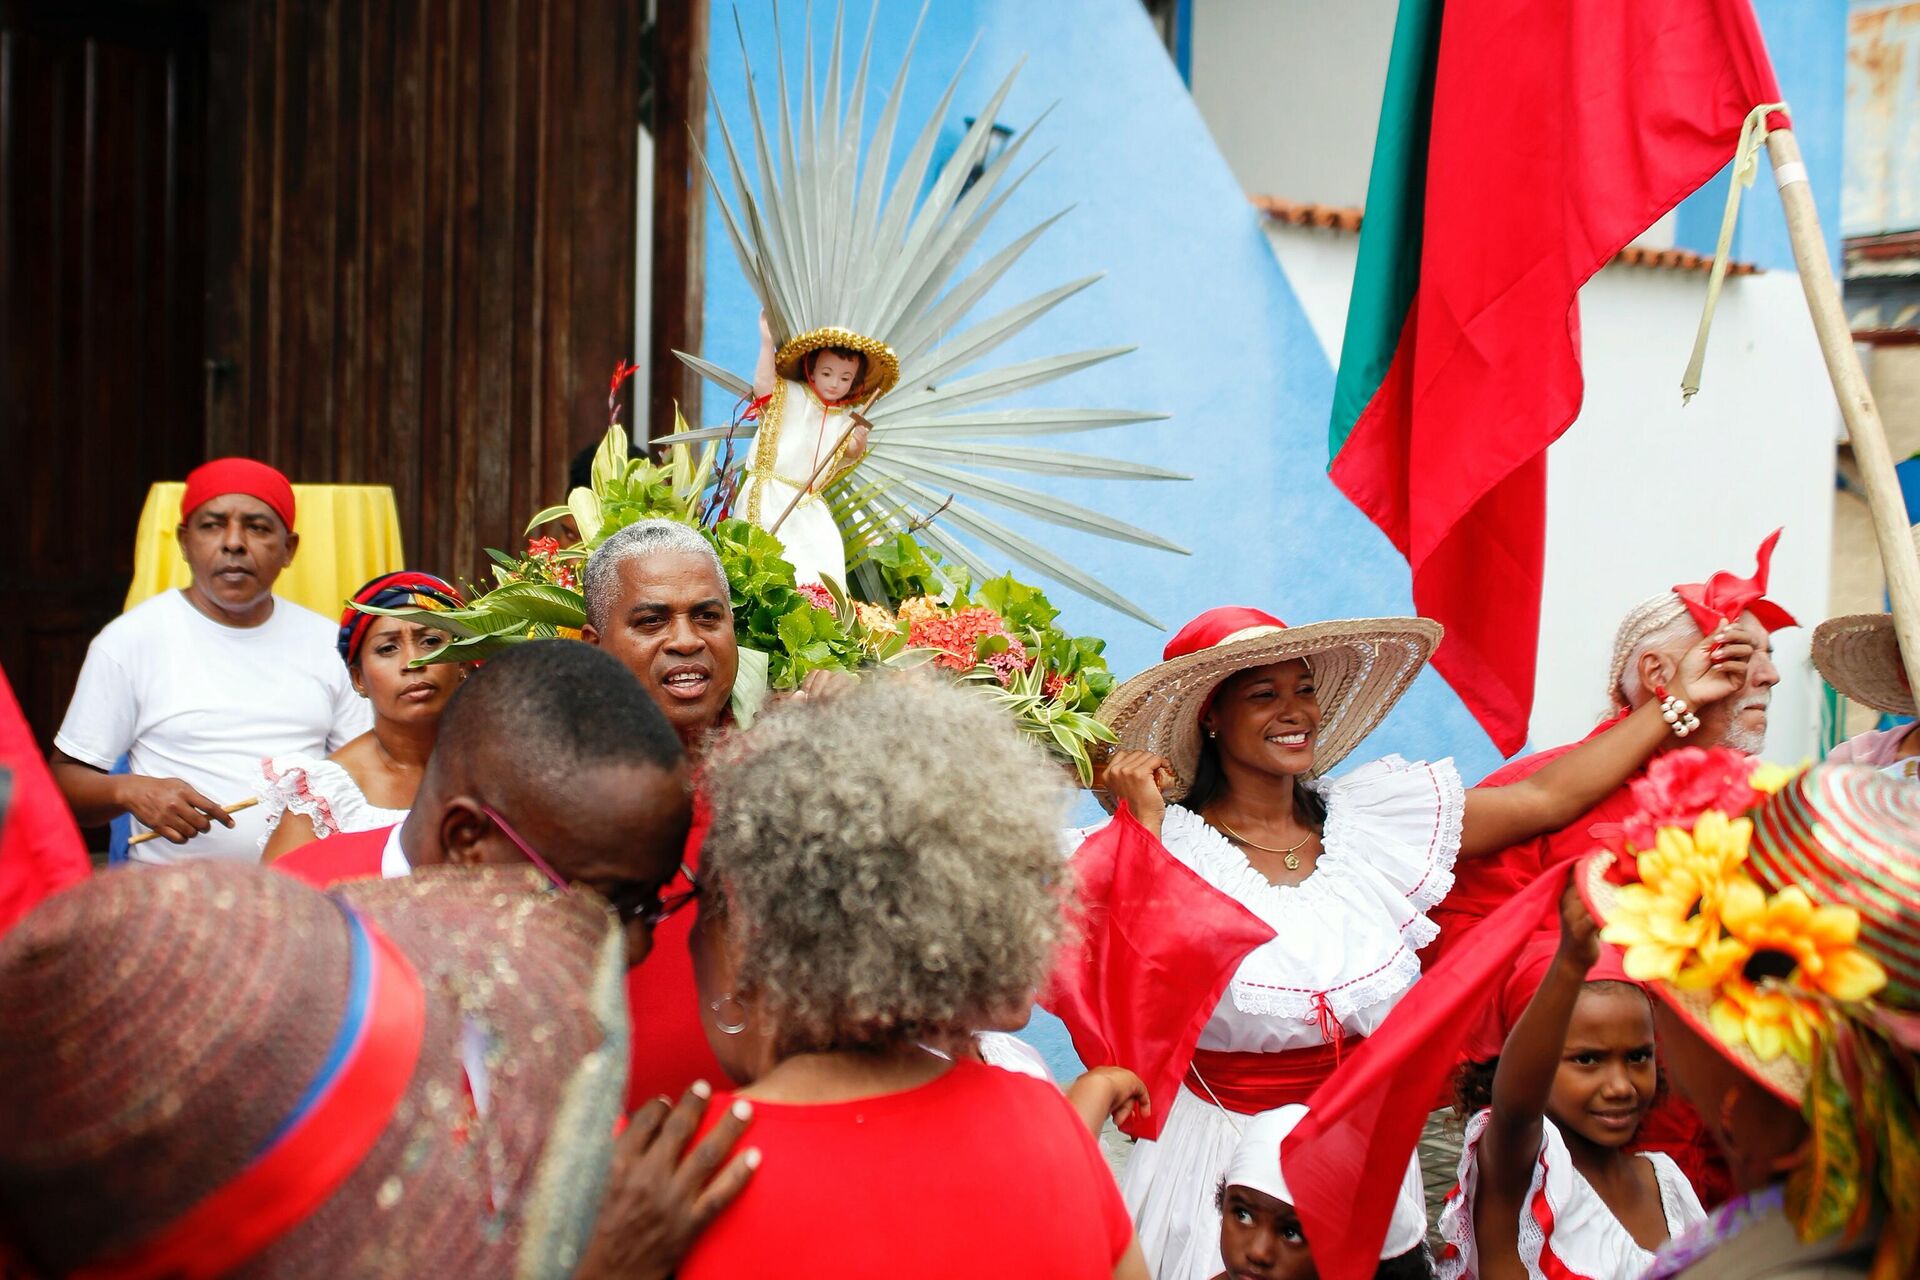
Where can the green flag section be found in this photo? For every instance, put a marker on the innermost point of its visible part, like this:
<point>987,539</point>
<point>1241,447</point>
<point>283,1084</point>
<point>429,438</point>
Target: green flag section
<point>1520,147</point>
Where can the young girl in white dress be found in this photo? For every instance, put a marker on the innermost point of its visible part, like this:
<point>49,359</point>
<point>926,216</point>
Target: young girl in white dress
<point>370,781</point>
<point>1548,1189</point>
<point>1343,870</point>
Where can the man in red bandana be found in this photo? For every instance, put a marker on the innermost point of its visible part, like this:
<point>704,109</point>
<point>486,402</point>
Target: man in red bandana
<point>195,686</point>
<point>1647,648</point>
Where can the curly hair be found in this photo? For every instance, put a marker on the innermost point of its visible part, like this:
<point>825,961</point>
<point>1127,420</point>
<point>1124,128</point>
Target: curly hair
<point>891,865</point>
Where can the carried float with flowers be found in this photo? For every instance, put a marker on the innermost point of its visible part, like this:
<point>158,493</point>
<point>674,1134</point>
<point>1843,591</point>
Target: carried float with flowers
<point>845,495</point>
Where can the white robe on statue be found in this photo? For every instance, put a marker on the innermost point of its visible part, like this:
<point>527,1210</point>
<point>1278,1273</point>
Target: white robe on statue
<point>1345,935</point>
<point>796,433</point>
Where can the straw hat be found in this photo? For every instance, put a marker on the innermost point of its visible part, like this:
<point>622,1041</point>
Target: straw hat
<point>883,366</point>
<point>452,1045</point>
<point>1360,668</point>
<point>1847,836</point>
<point>1859,656</point>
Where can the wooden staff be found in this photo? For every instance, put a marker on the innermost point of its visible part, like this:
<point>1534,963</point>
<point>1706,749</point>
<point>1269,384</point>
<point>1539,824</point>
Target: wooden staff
<point>1862,416</point>
<point>230,810</point>
<point>858,420</point>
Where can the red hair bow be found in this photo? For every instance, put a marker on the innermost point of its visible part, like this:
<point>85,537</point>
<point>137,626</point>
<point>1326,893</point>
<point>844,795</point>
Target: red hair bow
<point>1723,597</point>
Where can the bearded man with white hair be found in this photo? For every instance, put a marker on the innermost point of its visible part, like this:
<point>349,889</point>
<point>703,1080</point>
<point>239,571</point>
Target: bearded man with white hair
<point>1647,650</point>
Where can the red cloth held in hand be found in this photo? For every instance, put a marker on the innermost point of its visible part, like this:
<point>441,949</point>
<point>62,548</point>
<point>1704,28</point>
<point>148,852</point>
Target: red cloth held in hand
<point>41,851</point>
<point>1348,1158</point>
<point>1157,947</point>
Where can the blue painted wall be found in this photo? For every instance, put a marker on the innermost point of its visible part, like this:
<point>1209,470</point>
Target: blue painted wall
<point>1808,43</point>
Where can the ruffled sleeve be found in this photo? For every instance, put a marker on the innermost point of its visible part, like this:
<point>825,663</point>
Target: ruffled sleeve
<point>319,789</point>
<point>1401,818</point>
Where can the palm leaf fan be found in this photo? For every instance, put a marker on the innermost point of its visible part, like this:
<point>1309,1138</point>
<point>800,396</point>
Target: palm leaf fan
<point>828,244</point>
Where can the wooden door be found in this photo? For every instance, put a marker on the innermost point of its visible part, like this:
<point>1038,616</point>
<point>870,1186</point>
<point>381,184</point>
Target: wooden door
<point>101,274</point>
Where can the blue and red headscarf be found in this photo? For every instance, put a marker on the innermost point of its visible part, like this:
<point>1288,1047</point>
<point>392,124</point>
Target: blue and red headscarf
<point>406,589</point>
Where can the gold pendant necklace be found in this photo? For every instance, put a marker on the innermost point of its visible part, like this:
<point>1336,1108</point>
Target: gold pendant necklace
<point>1290,858</point>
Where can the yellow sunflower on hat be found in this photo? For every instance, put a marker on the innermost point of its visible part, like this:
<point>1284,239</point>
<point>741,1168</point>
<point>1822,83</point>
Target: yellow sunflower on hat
<point>1671,916</point>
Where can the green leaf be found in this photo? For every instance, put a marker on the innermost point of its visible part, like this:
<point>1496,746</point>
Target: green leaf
<point>750,686</point>
<point>546,516</point>
<point>540,602</point>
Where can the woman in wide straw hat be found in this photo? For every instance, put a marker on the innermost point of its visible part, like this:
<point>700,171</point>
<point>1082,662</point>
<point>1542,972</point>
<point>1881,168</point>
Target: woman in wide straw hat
<point>1787,979</point>
<point>1223,748</point>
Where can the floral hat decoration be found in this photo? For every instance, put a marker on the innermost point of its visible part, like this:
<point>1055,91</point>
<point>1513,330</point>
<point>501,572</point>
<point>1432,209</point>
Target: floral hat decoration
<point>1778,914</point>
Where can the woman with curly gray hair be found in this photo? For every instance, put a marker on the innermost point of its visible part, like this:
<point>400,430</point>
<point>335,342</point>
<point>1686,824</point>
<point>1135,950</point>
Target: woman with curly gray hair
<point>884,872</point>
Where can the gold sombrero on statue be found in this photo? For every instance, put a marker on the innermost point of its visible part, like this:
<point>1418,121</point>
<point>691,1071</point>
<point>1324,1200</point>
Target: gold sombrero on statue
<point>1361,667</point>
<point>883,366</point>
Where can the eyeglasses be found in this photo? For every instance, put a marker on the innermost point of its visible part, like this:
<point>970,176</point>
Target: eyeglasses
<point>644,907</point>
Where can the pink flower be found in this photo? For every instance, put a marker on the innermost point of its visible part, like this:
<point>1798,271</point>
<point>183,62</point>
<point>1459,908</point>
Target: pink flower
<point>958,638</point>
<point>821,597</point>
<point>1677,788</point>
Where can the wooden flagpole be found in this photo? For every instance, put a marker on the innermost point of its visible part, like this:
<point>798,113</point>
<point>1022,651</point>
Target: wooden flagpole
<point>1862,416</point>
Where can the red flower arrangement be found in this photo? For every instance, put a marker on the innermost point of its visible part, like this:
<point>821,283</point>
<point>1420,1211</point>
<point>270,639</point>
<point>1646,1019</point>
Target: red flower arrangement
<point>821,597</point>
<point>1676,789</point>
<point>958,638</point>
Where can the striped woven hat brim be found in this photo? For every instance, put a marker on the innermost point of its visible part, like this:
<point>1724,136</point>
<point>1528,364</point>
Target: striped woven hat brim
<point>1850,836</point>
<point>1361,668</point>
<point>157,1027</point>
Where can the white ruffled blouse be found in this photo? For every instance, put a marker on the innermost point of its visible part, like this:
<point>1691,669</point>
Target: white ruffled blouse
<point>323,791</point>
<point>1345,936</point>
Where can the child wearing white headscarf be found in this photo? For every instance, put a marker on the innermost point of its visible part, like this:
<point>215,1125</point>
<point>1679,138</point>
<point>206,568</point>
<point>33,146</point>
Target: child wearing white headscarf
<point>1260,1234</point>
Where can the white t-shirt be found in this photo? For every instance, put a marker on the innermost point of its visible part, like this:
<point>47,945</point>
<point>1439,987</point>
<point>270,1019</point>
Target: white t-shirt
<point>183,696</point>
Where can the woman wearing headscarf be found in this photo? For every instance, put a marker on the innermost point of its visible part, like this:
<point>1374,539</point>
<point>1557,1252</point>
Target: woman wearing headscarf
<point>1224,748</point>
<point>371,780</point>
<point>883,874</point>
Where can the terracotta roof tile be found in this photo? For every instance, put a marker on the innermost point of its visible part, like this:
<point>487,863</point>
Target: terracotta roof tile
<point>1296,213</point>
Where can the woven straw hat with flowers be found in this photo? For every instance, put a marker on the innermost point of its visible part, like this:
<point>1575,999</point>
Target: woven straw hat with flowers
<point>1361,667</point>
<point>1779,916</point>
<point>216,1070</point>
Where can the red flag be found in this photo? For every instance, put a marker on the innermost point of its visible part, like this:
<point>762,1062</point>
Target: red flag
<point>1521,146</point>
<point>40,848</point>
<point>1156,948</point>
<point>1347,1159</point>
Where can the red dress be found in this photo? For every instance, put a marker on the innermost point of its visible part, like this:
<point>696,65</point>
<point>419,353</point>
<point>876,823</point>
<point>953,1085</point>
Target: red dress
<point>981,1172</point>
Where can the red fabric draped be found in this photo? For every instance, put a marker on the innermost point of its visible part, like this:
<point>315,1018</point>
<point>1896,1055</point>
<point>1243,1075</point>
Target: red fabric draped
<point>1156,946</point>
<point>1347,1160</point>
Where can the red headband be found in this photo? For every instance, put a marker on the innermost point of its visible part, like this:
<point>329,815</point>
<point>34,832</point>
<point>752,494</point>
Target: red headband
<point>1723,597</point>
<point>238,475</point>
<point>1216,626</point>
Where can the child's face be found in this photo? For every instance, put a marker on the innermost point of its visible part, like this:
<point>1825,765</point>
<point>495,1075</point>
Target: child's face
<point>1260,1238</point>
<point>1606,1079</point>
<point>833,375</point>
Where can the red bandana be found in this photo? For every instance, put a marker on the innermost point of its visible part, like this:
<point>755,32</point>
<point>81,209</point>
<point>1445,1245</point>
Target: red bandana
<point>1723,597</point>
<point>238,475</point>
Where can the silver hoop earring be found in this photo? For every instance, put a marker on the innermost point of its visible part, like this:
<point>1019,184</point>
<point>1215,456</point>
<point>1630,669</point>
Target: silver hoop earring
<point>731,1028</point>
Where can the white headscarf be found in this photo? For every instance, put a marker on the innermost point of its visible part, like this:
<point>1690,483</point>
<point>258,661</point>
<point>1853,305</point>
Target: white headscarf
<point>1256,1166</point>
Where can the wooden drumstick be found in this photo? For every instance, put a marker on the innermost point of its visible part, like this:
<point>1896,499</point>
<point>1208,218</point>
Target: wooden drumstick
<point>228,809</point>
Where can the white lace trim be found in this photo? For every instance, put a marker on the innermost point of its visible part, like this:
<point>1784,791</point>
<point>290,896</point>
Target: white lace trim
<point>1382,783</point>
<point>1389,982</point>
<point>320,790</point>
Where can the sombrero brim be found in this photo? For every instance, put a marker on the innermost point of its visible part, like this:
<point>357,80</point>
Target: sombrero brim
<point>883,366</point>
<point>1361,667</point>
<point>1860,656</point>
<point>1786,1077</point>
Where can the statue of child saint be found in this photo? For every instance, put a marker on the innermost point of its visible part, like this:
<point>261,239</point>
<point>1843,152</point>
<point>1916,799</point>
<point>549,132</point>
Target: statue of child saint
<point>814,391</point>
